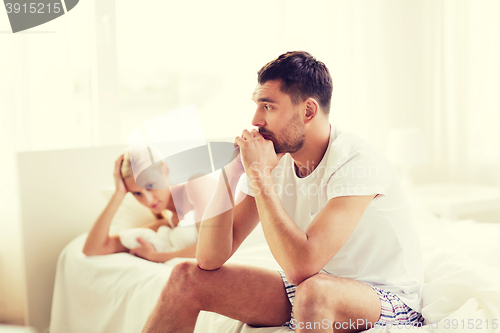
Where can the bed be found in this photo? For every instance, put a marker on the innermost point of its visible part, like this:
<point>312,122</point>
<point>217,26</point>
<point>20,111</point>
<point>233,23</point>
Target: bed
<point>116,293</point>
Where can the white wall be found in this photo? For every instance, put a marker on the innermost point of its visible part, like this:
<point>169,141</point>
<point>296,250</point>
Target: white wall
<point>44,104</point>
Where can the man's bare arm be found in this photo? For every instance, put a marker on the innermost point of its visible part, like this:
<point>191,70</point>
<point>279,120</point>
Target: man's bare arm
<point>222,233</point>
<point>303,254</point>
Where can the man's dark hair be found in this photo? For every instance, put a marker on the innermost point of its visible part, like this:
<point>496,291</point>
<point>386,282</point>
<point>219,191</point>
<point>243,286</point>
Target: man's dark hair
<point>302,76</point>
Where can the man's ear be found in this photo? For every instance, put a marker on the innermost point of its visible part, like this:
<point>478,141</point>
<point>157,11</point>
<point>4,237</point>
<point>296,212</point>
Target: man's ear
<point>311,109</point>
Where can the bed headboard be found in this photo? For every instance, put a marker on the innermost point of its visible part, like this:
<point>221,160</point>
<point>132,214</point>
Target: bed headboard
<point>60,199</point>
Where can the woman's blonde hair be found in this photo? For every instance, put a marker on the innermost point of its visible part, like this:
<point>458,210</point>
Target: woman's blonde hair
<point>139,163</point>
<point>126,169</point>
<point>139,160</point>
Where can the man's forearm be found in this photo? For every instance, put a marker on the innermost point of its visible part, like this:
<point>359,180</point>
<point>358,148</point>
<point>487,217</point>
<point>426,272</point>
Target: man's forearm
<point>215,241</point>
<point>287,242</point>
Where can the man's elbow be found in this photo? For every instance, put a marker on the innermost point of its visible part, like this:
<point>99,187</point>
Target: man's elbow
<point>209,264</point>
<point>303,267</point>
<point>296,275</point>
<point>296,278</point>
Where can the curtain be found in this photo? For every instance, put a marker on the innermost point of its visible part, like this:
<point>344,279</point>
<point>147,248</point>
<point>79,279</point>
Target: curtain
<point>462,90</point>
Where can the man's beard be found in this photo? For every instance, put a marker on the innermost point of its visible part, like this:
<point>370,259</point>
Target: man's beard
<point>290,141</point>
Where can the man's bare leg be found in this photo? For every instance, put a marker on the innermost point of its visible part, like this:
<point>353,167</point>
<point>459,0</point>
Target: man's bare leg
<point>324,299</point>
<point>250,294</point>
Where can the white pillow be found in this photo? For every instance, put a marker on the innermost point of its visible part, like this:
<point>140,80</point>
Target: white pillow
<point>130,214</point>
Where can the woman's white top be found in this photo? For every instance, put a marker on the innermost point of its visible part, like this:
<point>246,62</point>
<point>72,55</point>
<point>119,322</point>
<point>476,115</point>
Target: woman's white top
<point>165,239</point>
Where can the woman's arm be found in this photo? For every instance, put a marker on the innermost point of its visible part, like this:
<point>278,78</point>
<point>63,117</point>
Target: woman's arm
<point>98,241</point>
<point>147,251</point>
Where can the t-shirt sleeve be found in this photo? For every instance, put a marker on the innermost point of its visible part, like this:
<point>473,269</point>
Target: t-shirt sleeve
<point>245,185</point>
<point>361,174</point>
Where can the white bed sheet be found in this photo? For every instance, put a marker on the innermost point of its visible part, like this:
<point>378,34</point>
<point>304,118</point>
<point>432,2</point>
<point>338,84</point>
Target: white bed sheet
<point>116,293</point>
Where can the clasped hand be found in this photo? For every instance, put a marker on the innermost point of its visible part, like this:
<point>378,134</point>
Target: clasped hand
<point>258,154</point>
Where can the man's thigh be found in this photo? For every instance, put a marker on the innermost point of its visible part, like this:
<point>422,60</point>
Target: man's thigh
<point>253,295</point>
<point>349,303</point>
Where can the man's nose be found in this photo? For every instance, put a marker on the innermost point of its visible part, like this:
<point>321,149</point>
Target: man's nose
<point>258,119</point>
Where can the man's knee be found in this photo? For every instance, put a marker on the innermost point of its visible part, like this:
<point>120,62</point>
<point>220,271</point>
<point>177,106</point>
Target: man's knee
<point>184,271</point>
<point>311,293</point>
<point>182,280</point>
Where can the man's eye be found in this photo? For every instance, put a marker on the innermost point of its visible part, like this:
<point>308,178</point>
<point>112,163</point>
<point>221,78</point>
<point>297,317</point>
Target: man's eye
<point>267,107</point>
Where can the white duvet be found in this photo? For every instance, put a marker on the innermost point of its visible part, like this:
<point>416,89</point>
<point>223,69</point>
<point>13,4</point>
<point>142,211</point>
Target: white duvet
<point>116,293</point>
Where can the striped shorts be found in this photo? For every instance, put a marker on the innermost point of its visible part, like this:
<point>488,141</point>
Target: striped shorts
<point>394,311</point>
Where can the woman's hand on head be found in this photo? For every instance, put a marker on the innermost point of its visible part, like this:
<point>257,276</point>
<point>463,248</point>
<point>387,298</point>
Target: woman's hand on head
<point>120,187</point>
<point>145,250</point>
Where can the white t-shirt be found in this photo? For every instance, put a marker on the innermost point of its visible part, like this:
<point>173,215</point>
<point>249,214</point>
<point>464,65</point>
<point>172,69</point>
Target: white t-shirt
<point>384,249</point>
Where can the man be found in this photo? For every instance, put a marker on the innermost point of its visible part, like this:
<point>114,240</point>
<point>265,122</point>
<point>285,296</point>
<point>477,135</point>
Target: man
<point>332,212</point>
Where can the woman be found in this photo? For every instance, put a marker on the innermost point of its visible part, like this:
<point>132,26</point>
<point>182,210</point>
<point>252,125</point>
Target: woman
<point>155,194</point>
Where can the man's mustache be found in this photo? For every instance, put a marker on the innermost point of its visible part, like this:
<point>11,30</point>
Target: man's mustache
<point>265,132</point>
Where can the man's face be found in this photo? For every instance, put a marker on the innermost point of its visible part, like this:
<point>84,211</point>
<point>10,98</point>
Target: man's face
<point>277,118</point>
